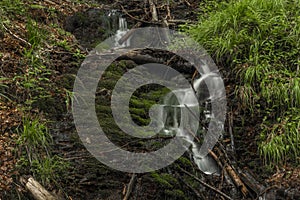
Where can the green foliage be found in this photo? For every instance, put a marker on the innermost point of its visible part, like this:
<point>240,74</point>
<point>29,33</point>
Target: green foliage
<point>35,34</point>
<point>34,133</point>
<point>35,77</point>
<point>49,170</point>
<point>2,85</point>
<point>282,138</point>
<point>35,138</point>
<point>259,41</point>
<point>176,194</point>
<point>64,44</point>
<point>12,8</point>
<point>165,180</point>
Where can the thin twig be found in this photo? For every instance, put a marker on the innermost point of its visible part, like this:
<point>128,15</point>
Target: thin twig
<point>206,185</point>
<point>230,126</point>
<point>130,186</point>
<point>15,36</point>
<point>188,3</point>
<point>137,19</point>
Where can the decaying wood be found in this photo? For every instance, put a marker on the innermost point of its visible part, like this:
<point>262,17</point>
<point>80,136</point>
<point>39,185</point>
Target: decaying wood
<point>37,190</point>
<point>232,173</point>
<point>168,10</point>
<point>129,187</point>
<point>187,3</point>
<point>253,184</point>
<point>153,11</point>
<point>207,185</point>
<point>230,127</point>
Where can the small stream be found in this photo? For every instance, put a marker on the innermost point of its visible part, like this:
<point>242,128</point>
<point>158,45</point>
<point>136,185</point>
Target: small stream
<point>172,117</point>
<point>175,118</point>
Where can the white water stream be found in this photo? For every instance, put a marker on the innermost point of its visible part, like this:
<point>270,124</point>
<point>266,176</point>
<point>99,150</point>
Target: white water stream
<point>169,114</point>
<point>121,23</point>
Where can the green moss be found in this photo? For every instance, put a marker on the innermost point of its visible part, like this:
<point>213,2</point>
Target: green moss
<point>165,180</point>
<point>176,194</point>
<point>185,161</point>
<point>139,120</point>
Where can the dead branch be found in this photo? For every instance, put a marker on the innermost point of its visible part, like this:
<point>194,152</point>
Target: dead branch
<point>15,36</point>
<point>230,125</point>
<point>130,186</point>
<point>153,11</point>
<point>168,11</point>
<point>206,185</point>
<point>234,176</point>
<point>137,19</point>
<point>129,33</point>
<point>187,3</point>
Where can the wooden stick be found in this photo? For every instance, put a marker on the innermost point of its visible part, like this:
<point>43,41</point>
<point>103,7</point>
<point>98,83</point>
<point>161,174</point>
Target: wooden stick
<point>153,11</point>
<point>234,176</point>
<point>15,36</point>
<point>130,186</point>
<point>137,19</point>
<point>206,185</point>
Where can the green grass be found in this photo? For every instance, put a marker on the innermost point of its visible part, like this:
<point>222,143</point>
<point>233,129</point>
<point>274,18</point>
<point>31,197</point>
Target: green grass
<point>50,169</point>
<point>36,159</point>
<point>2,86</point>
<point>34,135</point>
<point>259,41</point>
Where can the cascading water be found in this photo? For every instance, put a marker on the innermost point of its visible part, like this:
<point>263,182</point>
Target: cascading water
<point>171,114</point>
<point>121,32</point>
<point>118,24</point>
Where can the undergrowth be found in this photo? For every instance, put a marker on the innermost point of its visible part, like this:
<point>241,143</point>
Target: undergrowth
<point>259,41</point>
<point>30,84</point>
<point>35,142</point>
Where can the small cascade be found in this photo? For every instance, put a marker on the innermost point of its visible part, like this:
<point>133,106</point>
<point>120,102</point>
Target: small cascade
<point>169,115</point>
<point>121,32</point>
<point>118,26</point>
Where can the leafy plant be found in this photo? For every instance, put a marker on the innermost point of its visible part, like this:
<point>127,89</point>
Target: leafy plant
<point>64,44</point>
<point>35,34</point>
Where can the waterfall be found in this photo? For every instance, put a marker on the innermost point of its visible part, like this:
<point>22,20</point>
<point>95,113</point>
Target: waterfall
<point>121,32</point>
<point>118,28</point>
<point>170,116</point>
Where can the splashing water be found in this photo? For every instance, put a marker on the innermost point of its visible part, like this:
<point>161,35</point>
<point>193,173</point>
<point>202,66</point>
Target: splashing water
<point>172,114</point>
<point>121,32</point>
<point>118,25</point>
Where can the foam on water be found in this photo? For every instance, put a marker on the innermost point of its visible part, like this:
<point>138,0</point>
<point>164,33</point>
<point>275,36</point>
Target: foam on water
<point>171,114</point>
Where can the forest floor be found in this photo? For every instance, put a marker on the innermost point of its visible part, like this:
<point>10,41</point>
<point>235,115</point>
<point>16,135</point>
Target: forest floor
<point>61,53</point>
